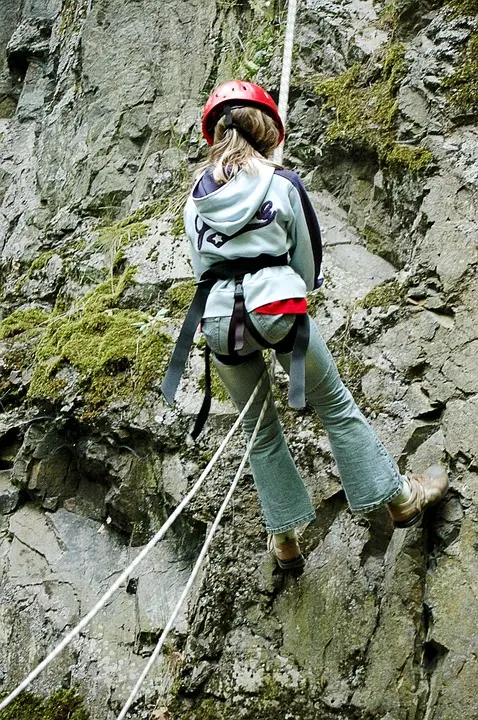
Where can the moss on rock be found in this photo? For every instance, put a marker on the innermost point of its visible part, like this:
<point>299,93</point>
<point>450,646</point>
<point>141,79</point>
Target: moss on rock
<point>61,705</point>
<point>217,388</point>
<point>40,261</point>
<point>462,86</point>
<point>258,40</point>
<point>314,300</point>
<point>364,110</point>
<point>463,7</point>
<point>179,297</point>
<point>22,321</point>
<point>114,351</point>
<point>122,233</point>
<point>383,295</point>
<point>407,13</point>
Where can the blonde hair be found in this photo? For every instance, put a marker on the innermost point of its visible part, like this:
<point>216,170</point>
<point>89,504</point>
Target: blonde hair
<point>231,152</point>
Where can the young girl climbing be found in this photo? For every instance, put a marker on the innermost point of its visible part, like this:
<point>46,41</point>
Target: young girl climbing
<point>256,250</point>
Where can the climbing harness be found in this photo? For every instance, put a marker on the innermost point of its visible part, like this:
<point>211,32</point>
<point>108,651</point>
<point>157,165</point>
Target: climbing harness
<point>297,340</point>
<point>147,548</point>
<point>199,561</point>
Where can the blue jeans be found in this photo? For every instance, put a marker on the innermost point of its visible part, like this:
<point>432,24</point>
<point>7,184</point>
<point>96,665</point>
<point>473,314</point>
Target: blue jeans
<point>369,475</point>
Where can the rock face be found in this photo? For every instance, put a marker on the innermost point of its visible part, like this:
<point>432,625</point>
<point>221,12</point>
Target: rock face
<point>99,137</point>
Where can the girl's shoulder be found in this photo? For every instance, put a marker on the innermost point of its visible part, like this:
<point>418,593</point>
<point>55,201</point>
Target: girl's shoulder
<point>289,175</point>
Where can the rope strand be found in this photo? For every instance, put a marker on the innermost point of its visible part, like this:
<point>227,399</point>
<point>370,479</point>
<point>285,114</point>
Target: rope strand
<point>198,564</point>
<point>286,72</point>
<point>125,574</point>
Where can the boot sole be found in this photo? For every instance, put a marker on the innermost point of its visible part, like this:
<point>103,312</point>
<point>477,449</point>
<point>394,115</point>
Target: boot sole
<point>294,564</point>
<point>411,521</point>
<point>416,518</point>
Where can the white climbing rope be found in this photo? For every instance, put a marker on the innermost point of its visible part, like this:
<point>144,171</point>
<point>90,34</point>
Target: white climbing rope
<point>198,564</point>
<point>286,72</point>
<point>125,574</point>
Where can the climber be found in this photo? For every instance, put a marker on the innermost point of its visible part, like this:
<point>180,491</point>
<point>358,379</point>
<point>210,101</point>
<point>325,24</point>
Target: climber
<point>256,249</point>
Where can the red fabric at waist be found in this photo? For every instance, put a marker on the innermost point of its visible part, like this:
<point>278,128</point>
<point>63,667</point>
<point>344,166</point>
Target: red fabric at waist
<point>291,306</point>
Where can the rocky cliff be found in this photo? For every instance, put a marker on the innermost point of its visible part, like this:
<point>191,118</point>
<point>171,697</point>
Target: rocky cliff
<point>99,137</point>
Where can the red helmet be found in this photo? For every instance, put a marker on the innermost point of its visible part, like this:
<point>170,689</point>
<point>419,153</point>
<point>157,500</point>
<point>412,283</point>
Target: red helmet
<point>238,92</point>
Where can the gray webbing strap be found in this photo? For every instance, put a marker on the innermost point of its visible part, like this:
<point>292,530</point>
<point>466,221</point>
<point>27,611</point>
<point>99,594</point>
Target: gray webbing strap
<point>297,364</point>
<point>185,340</point>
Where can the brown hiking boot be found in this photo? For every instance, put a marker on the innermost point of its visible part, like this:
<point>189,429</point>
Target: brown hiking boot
<point>288,554</point>
<point>427,489</point>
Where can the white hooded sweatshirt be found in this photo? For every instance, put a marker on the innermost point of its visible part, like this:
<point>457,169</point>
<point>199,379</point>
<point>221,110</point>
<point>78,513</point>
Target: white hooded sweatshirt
<point>248,216</point>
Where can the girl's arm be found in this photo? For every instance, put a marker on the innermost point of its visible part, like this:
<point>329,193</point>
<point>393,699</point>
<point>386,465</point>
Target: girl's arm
<point>306,250</point>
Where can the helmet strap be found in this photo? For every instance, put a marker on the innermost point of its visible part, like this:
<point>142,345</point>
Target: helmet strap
<point>231,125</point>
<point>229,120</point>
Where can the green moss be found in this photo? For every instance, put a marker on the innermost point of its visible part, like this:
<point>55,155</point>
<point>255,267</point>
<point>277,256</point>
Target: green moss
<point>257,44</point>
<point>177,228</point>
<point>7,107</point>
<point>122,233</point>
<point>153,356</point>
<point>407,13</point>
<point>463,7</point>
<point>62,705</point>
<point>462,86</point>
<point>363,109</point>
<point>72,12</point>
<point>22,321</point>
<point>37,265</point>
<point>351,369</point>
<point>179,297</point>
<point>373,240</point>
<point>41,261</point>
<point>412,158</point>
<point>387,293</point>
<point>380,245</point>
<point>103,343</point>
<point>146,212</point>
<point>314,301</point>
<point>217,388</point>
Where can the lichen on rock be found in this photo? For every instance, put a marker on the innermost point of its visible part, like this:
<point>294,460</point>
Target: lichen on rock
<point>362,109</point>
<point>462,85</point>
<point>103,344</point>
<point>61,705</point>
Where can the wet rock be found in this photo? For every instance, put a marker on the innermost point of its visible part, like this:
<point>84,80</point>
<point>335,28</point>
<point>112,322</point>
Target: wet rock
<point>57,565</point>
<point>9,495</point>
<point>459,429</point>
<point>452,628</point>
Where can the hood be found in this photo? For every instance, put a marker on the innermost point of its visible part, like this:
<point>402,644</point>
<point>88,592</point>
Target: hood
<point>227,208</point>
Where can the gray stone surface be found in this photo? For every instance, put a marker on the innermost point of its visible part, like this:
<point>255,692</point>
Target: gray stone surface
<point>100,116</point>
<point>58,565</point>
<point>9,495</point>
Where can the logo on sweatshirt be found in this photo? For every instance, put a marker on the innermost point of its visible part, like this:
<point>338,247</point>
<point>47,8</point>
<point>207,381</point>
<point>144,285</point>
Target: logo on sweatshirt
<point>265,216</point>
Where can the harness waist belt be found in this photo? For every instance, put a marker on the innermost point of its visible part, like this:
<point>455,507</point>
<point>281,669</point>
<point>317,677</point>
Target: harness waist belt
<point>232,269</point>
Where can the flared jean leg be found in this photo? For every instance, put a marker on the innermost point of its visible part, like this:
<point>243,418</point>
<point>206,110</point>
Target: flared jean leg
<point>369,474</point>
<point>283,496</point>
